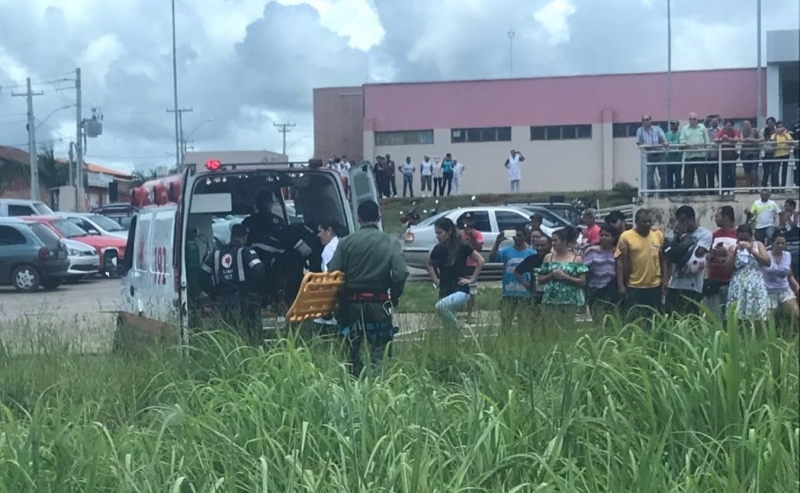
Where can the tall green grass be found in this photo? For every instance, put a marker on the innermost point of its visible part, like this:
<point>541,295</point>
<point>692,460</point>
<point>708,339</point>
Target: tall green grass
<point>687,407</point>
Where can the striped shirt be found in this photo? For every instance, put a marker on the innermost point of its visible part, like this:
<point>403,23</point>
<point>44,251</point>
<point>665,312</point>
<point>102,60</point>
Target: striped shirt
<point>651,136</point>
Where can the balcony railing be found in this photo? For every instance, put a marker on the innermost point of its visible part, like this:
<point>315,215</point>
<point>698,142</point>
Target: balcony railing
<point>717,169</point>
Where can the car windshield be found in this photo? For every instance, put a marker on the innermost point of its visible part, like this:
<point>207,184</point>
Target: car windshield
<point>68,229</point>
<point>42,209</point>
<point>44,233</point>
<point>106,223</point>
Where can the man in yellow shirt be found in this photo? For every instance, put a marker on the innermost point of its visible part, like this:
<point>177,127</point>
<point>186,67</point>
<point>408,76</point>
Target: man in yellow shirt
<point>640,265</point>
<point>782,144</point>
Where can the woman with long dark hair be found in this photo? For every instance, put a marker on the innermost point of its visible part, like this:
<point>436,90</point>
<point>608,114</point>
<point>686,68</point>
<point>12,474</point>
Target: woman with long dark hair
<point>563,274</point>
<point>447,267</point>
<point>781,284</point>
<point>747,293</point>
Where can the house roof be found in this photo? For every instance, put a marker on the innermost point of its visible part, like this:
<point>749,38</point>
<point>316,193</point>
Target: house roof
<point>14,154</point>
<point>95,168</point>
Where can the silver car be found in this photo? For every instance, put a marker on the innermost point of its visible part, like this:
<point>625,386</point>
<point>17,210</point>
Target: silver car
<point>419,240</point>
<point>83,260</point>
<point>95,224</point>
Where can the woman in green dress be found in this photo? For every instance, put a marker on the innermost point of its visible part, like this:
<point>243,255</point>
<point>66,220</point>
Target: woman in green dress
<point>563,275</point>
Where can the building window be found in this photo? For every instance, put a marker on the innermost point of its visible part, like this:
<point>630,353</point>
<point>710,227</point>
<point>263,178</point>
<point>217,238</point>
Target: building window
<point>488,134</point>
<point>623,130</point>
<point>561,132</point>
<point>409,137</point>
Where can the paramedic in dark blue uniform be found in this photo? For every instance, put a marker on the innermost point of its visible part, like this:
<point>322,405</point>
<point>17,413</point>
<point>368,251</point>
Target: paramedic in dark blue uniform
<point>234,277</point>
<point>281,249</point>
<point>374,278</point>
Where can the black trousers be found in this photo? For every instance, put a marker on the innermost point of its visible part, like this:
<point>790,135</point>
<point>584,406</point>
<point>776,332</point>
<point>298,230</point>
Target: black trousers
<point>437,186</point>
<point>366,322</point>
<point>447,182</point>
<point>243,316</point>
<point>391,186</point>
<point>683,302</point>
<point>640,302</point>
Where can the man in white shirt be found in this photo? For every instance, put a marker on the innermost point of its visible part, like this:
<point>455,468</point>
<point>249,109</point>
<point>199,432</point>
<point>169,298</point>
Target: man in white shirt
<point>514,171</point>
<point>765,212</point>
<point>458,168</point>
<point>426,175</point>
<point>686,261</point>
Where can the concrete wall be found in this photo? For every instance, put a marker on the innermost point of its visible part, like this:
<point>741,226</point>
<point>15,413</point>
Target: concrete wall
<point>338,122</point>
<point>705,207</point>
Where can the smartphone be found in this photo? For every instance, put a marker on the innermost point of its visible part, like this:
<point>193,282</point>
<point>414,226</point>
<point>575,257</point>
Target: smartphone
<point>509,233</point>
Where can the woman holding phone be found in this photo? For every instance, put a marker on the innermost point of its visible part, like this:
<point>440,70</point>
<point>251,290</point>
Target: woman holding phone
<point>747,293</point>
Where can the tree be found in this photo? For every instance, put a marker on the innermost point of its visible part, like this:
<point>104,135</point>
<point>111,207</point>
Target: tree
<point>140,176</point>
<point>52,173</point>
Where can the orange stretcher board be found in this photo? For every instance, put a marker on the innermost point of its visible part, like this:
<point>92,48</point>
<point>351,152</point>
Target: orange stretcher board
<point>317,296</point>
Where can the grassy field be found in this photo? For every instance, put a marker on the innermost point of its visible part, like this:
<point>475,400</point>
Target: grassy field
<point>392,210</point>
<point>685,408</point>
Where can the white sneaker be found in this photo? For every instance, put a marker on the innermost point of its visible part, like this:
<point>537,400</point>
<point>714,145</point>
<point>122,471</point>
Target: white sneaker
<point>325,321</point>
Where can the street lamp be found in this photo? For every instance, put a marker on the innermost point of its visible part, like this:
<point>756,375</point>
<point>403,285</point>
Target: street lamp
<point>185,140</point>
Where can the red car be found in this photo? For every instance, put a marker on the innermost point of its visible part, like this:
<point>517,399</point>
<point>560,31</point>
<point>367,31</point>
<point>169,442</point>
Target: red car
<point>110,249</point>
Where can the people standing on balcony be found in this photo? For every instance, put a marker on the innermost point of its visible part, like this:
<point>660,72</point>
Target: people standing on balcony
<point>651,139</point>
<point>727,139</point>
<point>673,164</point>
<point>458,168</point>
<point>447,173</point>
<point>437,177</point>
<point>512,164</point>
<point>715,285</point>
<point>426,175</point>
<point>751,151</point>
<point>782,142</point>
<point>768,176</point>
<point>694,137</point>
<point>714,125</point>
<point>391,183</point>
<point>796,137</point>
<point>765,212</point>
<point>408,176</point>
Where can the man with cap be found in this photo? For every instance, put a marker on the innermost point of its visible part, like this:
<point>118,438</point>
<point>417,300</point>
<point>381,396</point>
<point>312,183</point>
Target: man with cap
<point>375,275</point>
<point>234,277</point>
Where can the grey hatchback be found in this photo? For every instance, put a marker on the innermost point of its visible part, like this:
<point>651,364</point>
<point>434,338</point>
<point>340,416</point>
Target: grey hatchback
<point>31,255</point>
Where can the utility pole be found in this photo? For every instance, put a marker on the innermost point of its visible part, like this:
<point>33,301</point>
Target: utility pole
<point>511,35</point>
<point>80,200</point>
<point>181,142</point>
<point>33,157</point>
<point>284,129</point>
<point>178,157</point>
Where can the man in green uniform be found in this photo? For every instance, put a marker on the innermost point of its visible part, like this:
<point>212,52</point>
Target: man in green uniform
<point>375,275</point>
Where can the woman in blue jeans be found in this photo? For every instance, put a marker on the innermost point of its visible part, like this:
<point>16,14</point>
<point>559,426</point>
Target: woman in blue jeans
<point>447,267</point>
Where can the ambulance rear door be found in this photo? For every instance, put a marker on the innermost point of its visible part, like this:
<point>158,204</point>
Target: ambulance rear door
<point>362,187</point>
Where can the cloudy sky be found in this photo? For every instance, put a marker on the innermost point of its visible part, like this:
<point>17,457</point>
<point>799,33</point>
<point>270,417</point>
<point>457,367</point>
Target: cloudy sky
<point>247,64</point>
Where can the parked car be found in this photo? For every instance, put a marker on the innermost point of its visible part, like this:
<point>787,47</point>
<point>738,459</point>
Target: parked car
<point>31,255</point>
<point>119,212</point>
<point>566,212</point>
<point>109,248</point>
<point>21,207</point>
<point>419,240</point>
<point>83,260</point>
<point>95,224</point>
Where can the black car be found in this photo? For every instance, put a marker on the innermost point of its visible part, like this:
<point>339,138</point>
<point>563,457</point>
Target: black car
<point>120,212</point>
<point>31,255</point>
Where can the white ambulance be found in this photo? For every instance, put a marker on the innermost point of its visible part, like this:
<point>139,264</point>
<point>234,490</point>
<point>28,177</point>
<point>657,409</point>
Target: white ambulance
<point>172,232</point>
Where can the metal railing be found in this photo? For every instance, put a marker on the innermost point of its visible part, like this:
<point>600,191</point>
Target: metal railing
<point>717,169</point>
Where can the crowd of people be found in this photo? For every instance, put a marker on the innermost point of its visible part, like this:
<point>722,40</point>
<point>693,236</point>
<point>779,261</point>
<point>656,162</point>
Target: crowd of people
<point>689,157</point>
<point>634,269</point>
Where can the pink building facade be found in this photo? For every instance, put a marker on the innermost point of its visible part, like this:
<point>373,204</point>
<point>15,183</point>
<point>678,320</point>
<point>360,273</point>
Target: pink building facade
<point>577,133</point>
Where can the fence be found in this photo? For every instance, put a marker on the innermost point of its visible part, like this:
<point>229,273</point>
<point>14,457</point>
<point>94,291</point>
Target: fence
<point>719,169</point>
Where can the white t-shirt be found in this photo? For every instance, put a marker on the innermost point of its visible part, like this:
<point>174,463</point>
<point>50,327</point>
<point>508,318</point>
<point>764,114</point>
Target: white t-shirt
<point>458,169</point>
<point>765,213</point>
<point>690,276</point>
<point>328,251</point>
<point>437,170</point>
<point>426,168</point>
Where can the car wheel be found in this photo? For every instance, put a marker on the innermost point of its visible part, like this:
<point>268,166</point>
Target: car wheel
<point>51,284</point>
<point>25,278</point>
